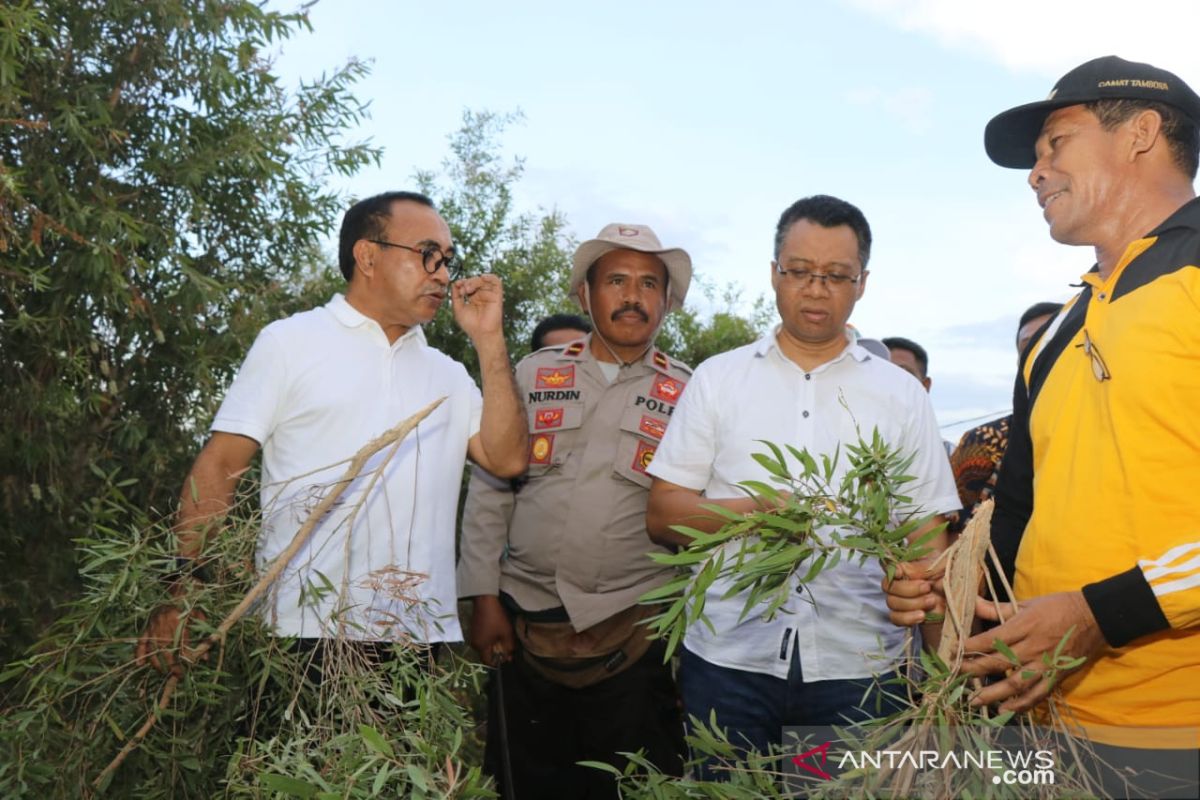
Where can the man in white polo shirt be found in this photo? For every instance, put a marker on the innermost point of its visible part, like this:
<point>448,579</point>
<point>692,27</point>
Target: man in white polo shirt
<point>804,384</point>
<point>315,388</point>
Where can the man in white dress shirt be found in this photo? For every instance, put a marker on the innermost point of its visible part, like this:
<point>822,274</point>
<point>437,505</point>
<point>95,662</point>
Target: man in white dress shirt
<point>804,384</point>
<point>315,388</point>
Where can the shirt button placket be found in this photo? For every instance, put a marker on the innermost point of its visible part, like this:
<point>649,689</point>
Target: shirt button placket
<point>806,403</point>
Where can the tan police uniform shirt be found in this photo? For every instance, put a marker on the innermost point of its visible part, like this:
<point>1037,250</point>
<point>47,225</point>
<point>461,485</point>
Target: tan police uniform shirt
<point>576,533</point>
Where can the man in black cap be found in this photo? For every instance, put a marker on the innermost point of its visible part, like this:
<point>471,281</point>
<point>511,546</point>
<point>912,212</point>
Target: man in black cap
<point>1105,544</point>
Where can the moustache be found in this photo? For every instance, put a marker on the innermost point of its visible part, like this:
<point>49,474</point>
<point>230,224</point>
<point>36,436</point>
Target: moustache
<point>630,309</point>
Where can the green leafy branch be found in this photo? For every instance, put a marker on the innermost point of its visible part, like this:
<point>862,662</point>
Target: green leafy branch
<point>808,521</point>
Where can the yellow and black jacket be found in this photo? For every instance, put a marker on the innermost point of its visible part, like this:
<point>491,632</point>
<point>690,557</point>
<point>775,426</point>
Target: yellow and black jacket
<point>1100,486</point>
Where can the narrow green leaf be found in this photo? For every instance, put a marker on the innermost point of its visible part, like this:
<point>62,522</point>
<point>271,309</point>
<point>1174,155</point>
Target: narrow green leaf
<point>293,787</point>
<point>376,742</point>
<point>1006,651</point>
<point>600,765</point>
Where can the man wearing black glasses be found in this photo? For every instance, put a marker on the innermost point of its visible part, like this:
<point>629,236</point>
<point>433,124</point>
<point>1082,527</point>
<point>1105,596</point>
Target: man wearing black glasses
<point>315,388</point>
<point>805,384</point>
<point>1096,511</point>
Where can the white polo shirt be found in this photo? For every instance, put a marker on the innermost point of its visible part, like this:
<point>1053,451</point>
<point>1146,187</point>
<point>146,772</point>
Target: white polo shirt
<point>755,392</point>
<point>314,389</point>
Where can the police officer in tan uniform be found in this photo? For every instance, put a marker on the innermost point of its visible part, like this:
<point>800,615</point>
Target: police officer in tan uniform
<point>555,569</point>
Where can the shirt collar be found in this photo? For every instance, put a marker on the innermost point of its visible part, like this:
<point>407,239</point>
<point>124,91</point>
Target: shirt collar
<point>771,342</point>
<point>581,350</point>
<point>351,317</point>
<point>1187,216</point>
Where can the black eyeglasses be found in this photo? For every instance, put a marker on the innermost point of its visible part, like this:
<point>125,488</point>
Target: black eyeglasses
<point>804,277</point>
<point>1099,368</point>
<point>432,257</point>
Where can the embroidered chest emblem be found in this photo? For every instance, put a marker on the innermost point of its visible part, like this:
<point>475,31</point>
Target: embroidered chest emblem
<point>652,427</point>
<point>555,377</point>
<point>541,447</point>
<point>548,418</point>
<point>643,457</point>
<point>667,389</point>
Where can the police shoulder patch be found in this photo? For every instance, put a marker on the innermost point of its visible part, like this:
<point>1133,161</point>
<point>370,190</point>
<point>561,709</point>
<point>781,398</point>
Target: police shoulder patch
<point>670,366</point>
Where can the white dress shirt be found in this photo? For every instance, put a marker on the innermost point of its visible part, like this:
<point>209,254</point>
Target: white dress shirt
<point>756,393</point>
<point>314,389</point>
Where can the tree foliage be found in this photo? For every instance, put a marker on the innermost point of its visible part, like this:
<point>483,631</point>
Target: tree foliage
<point>531,252</point>
<point>692,335</point>
<point>255,719</point>
<point>160,191</point>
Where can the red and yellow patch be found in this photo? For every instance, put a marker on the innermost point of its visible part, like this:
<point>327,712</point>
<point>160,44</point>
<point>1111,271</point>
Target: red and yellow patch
<point>660,360</point>
<point>654,428</point>
<point>548,418</point>
<point>667,389</point>
<point>574,348</point>
<point>643,457</point>
<point>555,377</point>
<point>541,447</point>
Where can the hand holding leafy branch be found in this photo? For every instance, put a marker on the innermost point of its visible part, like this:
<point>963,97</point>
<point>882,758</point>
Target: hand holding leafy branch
<point>808,521</point>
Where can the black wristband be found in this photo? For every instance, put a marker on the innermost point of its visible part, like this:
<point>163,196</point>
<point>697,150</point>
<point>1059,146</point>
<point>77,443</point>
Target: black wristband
<point>1125,607</point>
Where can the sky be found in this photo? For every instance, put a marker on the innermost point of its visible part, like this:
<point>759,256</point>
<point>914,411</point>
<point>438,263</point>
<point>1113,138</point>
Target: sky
<point>706,119</point>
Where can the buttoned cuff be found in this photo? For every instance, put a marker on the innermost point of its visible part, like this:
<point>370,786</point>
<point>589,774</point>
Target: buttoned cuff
<point>1125,607</point>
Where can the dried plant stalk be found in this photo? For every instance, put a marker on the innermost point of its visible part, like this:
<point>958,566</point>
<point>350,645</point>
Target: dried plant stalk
<point>391,436</point>
<point>964,570</point>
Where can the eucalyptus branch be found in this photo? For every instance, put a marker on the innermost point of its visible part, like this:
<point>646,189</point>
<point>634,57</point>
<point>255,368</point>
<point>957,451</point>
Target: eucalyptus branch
<point>807,523</point>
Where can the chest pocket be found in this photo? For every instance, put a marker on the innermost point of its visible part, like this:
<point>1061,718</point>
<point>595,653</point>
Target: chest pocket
<point>641,431</point>
<point>553,434</point>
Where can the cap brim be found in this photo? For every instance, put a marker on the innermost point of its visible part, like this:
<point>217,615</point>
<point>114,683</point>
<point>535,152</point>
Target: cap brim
<point>677,261</point>
<point>1010,136</point>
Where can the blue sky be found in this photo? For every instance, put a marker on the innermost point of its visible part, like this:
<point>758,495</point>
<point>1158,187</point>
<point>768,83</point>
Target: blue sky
<point>706,119</point>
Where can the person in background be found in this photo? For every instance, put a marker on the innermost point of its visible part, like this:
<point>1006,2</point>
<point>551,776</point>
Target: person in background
<point>975,462</point>
<point>558,329</point>
<point>913,359</point>
<point>910,357</point>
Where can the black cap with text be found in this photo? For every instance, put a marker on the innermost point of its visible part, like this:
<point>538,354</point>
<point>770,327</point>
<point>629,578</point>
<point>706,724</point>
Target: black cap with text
<point>1010,136</point>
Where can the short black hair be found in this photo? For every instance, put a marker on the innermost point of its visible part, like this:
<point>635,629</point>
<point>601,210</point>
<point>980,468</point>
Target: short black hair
<point>367,219</point>
<point>900,343</point>
<point>828,212</point>
<point>1036,310</point>
<point>557,322</point>
<point>1180,131</point>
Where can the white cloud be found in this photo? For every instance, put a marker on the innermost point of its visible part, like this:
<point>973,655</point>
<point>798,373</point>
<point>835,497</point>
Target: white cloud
<point>1051,37</point>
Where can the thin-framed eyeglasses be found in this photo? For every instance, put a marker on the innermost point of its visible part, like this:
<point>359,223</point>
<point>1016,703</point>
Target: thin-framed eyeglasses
<point>432,257</point>
<point>1099,368</point>
<point>804,277</point>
